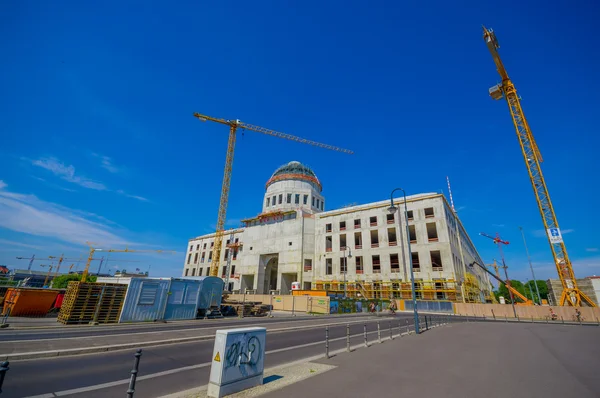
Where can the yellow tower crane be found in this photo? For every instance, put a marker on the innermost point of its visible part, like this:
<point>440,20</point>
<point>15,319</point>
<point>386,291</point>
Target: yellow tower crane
<point>571,294</point>
<point>233,126</point>
<point>84,275</point>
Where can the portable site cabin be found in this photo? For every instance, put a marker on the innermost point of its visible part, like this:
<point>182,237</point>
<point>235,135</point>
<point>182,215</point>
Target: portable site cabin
<point>150,299</point>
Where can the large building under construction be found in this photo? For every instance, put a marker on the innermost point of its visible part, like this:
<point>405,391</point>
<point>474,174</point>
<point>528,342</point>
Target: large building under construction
<point>362,250</point>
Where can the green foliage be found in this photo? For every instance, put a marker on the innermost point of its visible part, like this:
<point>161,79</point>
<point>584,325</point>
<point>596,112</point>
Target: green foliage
<point>61,282</point>
<point>525,289</point>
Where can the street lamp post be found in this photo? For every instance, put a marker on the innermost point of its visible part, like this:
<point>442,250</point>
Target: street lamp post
<point>531,267</point>
<point>392,209</point>
<point>346,269</point>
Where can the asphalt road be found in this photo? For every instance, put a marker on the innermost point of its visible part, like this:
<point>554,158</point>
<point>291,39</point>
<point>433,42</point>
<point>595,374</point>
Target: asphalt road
<point>58,333</point>
<point>49,377</point>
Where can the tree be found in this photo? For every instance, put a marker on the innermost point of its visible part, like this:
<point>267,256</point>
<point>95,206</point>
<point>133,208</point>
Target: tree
<point>542,286</point>
<point>62,281</point>
<point>503,291</point>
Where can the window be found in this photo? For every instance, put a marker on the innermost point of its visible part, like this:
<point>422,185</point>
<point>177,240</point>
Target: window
<point>202,259</point>
<point>274,200</point>
<point>343,242</point>
<point>429,212</point>
<point>305,199</point>
<point>418,289</point>
<point>342,225</point>
<point>357,240</point>
<point>373,221</point>
<point>394,263</point>
<point>307,264</point>
<point>191,247</point>
<point>198,247</point>
<point>193,271</point>
<point>235,253</point>
<point>317,203</point>
<point>200,271</point>
<point>390,218</point>
<point>357,223</point>
<point>237,240</point>
<point>204,247</point>
<point>289,198</point>
<point>359,264</point>
<point>328,243</point>
<point>439,291</point>
<point>374,238</point>
<point>195,258</point>
<point>376,264</point>
<point>191,295</point>
<point>436,260</point>
<point>233,270</point>
<point>289,243</point>
<point>343,264</point>
<point>432,232</point>
<point>210,256</point>
<point>189,258</point>
<point>410,215</point>
<point>322,204</point>
<point>313,201</point>
<point>226,254</point>
<point>268,202</point>
<point>280,198</point>
<point>297,199</point>
<point>412,234</point>
<point>212,244</point>
<point>415,262</point>
<point>392,237</point>
<point>148,293</point>
<point>186,271</point>
<point>328,267</point>
<point>327,227</point>
<point>208,271</point>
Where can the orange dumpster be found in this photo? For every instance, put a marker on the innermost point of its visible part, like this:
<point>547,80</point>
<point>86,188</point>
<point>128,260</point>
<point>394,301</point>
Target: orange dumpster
<point>29,301</point>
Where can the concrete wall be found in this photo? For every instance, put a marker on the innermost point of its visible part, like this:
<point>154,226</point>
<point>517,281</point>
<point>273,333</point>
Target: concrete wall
<point>585,285</point>
<point>525,312</point>
<point>319,305</point>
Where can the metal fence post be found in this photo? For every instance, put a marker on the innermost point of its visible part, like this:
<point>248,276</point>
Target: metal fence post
<point>426,324</point>
<point>326,341</point>
<point>134,373</point>
<point>407,330</point>
<point>579,320</point>
<point>494,315</point>
<point>532,319</point>
<point>348,337</point>
<point>505,318</point>
<point>562,319</point>
<point>3,369</point>
<point>391,332</point>
<point>365,333</point>
<point>271,306</point>
<point>378,332</point>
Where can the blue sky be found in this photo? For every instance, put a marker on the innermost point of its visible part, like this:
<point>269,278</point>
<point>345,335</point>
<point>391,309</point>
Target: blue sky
<point>98,140</point>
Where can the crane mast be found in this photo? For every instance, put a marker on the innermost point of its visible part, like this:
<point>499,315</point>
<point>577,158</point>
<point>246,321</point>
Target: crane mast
<point>571,294</point>
<point>224,201</point>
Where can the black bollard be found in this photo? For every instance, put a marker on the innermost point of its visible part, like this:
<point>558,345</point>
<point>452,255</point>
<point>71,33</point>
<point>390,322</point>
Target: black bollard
<point>134,373</point>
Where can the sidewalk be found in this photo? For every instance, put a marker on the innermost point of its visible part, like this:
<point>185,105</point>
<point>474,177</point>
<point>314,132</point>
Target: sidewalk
<point>465,360</point>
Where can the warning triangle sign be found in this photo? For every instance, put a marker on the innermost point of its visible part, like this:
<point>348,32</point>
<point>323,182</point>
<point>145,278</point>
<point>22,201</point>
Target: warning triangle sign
<point>218,357</point>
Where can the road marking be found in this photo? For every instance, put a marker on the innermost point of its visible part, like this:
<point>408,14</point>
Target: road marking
<point>192,367</point>
<point>208,328</point>
<point>116,347</point>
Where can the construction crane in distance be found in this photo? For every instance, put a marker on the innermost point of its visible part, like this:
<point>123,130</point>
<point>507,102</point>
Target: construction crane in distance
<point>31,260</point>
<point>512,290</point>
<point>495,267</point>
<point>84,275</point>
<point>571,294</point>
<point>49,271</point>
<point>233,126</point>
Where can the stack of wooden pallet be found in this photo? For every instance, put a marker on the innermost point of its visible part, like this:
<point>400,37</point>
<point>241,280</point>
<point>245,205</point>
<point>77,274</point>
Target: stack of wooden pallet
<point>92,303</point>
<point>249,308</point>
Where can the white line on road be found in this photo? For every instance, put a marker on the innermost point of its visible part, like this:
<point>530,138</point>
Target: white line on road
<point>182,369</point>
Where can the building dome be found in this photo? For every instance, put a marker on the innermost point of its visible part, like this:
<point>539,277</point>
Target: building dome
<point>295,170</point>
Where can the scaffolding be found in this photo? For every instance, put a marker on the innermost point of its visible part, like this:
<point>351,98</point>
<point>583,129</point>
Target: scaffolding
<point>434,289</point>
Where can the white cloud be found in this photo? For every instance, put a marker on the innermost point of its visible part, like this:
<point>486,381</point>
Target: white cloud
<point>10,243</point>
<point>2,184</point>
<point>140,198</point>
<point>107,163</point>
<point>33,216</point>
<point>67,173</point>
<point>591,249</point>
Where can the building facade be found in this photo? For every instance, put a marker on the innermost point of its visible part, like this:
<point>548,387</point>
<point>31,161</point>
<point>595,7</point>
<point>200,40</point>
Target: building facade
<point>357,251</point>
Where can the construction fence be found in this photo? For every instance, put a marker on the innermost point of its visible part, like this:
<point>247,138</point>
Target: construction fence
<point>308,304</point>
<point>527,312</point>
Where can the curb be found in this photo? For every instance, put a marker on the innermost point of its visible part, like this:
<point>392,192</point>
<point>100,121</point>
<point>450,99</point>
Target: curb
<point>117,347</point>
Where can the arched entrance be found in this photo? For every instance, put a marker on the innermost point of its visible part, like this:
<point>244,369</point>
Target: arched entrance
<point>271,270</point>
